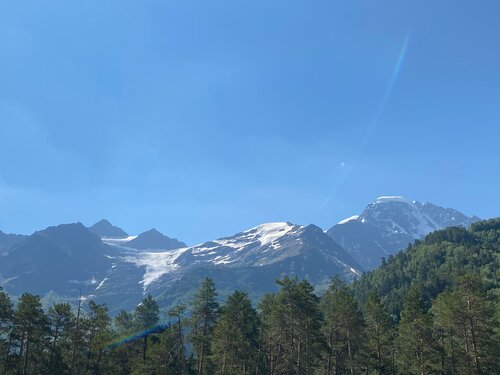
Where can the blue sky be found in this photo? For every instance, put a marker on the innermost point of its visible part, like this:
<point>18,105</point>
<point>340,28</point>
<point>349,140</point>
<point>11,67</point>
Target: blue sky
<point>206,118</point>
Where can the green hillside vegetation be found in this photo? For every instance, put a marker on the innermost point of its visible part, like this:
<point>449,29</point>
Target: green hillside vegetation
<point>432,309</point>
<point>436,264</point>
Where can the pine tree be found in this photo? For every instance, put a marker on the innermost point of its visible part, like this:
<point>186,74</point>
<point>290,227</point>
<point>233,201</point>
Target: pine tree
<point>416,346</point>
<point>465,317</point>
<point>61,320</point>
<point>342,329</point>
<point>162,358</point>
<point>124,323</point>
<point>123,355</point>
<point>268,347</point>
<point>6,323</point>
<point>177,328</point>
<point>147,315</point>
<point>204,315</point>
<point>293,320</point>
<point>379,348</point>
<point>30,329</point>
<point>235,338</point>
<point>76,337</point>
<point>97,334</point>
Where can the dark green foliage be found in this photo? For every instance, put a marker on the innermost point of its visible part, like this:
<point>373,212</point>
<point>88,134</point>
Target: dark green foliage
<point>444,292</point>
<point>292,340</point>
<point>147,315</point>
<point>464,318</point>
<point>235,338</point>
<point>379,349</point>
<point>177,348</point>
<point>6,321</point>
<point>205,310</point>
<point>124,323</point>
<point>416,347</point>
<point>435,263</point>
<point>6,312</point>
<point>29,334</point>
<point>97,334</point>
<point>61,320</point>
<point>343,330</point>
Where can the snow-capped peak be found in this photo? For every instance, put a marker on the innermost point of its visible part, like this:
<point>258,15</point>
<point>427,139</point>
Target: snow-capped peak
<point>270,232</point>
<point>392,198</point>
<point>353,217</point>
<point>389,224</point>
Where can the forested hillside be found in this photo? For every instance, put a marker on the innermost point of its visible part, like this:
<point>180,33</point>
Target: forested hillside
<point>432,309</point>
<point>437,263</point>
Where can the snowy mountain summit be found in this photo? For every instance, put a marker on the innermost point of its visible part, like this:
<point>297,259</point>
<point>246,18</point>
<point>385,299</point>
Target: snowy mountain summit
<point>389,224</point>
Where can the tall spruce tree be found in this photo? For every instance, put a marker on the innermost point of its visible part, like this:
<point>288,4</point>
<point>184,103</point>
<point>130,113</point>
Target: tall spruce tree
<point>61,321</point>
<point>269,349</point>
<point>177,329</point>
<point>416,347</point>
<point>379,348</point>
<point>30,330</point>
<point>147,315</point>
<point>465,318</point>
<point>342,329</point>
<point>293,319</point>
<point>76,352</point>
<point>6,324</point>
<point>123,354</point>
<point>205,311</point>
<point>97,334</point>
<point>235,337</point>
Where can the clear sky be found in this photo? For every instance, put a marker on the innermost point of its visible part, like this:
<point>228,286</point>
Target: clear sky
<point>204,118</point>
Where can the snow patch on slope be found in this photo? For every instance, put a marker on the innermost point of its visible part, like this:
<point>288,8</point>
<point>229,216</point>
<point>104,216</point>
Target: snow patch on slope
<point>118,241</point>
<point>392,198</point>
<point>101,283</point>
<point>268,233</point>
<point>265,234</point>
<point>156,264</point>
<point>354,217</point>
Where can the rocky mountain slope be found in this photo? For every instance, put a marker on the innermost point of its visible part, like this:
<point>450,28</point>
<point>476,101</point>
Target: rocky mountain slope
<point>63,259</point>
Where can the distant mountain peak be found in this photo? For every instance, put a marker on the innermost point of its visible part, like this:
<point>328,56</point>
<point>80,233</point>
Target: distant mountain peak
<point>104,229</point>
<point>389,224</point>
<point>154,240</point>
<point>60,258</point>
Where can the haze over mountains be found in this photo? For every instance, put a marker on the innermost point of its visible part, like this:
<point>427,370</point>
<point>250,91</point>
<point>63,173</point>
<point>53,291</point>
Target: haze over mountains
<point>108,265</point>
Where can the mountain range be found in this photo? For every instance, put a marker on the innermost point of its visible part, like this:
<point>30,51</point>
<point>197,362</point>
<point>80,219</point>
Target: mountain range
<point>106,264</point>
